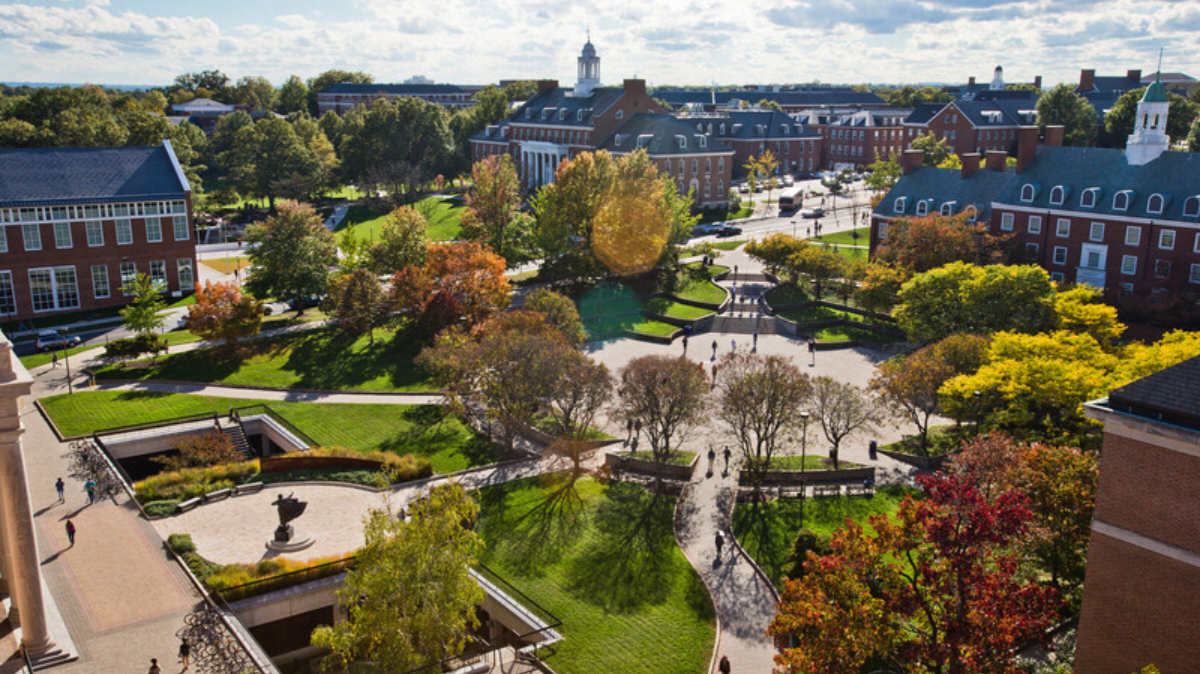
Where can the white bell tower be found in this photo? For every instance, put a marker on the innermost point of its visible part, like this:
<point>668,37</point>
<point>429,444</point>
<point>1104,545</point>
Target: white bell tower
<point>997,79</point>
<point>588,77</point>
<point>1149,138</point>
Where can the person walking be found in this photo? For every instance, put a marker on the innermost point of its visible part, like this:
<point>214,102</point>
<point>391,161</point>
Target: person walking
<point>724,666</point>
<point>720,542</point>
<point>714,349</point>
<point>727,455</point>
<point>54,360</point>
<point>71,532</point>
<point>712,458</point>
<point>756,339</point>
<point>628,431</point>
<point>735,272</point>
<point>61,488</point>
<point>812,351</point>
<point>685,343</point>
<point>733,345</point>
<point>154,668</point>
<point>185,653</point>
<point>90,488</point>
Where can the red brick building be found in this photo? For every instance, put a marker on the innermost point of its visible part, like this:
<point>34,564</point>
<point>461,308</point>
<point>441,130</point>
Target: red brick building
<point>343,97</point>
<point>1140,598</point>
<point>855,138</point>
<point>79,223</point>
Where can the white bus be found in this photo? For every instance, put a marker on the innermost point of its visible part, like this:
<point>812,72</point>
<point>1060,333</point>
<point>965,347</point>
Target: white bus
<point>791,198</point>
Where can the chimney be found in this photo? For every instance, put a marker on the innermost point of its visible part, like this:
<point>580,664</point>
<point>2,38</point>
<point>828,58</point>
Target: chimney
<point>1027,138</point>
<point>1134,76</point>
<point>1037,82</point>
<point>996,160</point>
<point>547,85</point>
<point>970,163</point>
<point>1087,80</point>
<point>1054,135</point>
<point>635,86</point>
<point>971,81</point>
<point>910,160</point>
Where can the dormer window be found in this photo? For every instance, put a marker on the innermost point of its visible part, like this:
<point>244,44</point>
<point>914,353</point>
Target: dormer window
<point>702,141</point>
<point>1191,207</point>
<point>700,128</point>
<point>709,129</point>
<point>682,140</point>
<point>620,114</point>
<point>971,213</point>
<point>1027,192</point>
<point>1089,197</point>
<point>948,208</point>
<point>923,207</point>
<point>562,114</point>
<point>528,113</point>
<point>785,130</point>
<point>1058,195</point>
<point>1155,204</point>
<point>579,115</point>
<point>1121,200</point>
<point>618,139</point>
<point>722,129</point>
<point>899,205</point>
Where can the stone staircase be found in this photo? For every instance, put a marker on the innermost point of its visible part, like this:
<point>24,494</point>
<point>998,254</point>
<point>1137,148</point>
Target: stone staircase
<point>746,324</point>
<point>237,436</point>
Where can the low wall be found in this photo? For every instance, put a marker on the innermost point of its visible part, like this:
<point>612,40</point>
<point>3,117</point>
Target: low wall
<point>300,461</point>
<point>543,438</point>
<point>711,306</point>
<point>796,478</point>
<point>924,462</point>
<point>618,462</point>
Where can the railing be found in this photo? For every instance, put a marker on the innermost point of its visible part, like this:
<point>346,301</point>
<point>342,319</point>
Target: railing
<point>115,467</point>
<point>286,580</point>
<point>211,416</point>
<point>551,621</point>
<point>237,413</point>
<point>27,667</point>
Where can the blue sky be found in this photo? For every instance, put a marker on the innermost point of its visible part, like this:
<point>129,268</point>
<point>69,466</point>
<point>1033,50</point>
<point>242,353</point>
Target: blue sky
<point>663,41</point>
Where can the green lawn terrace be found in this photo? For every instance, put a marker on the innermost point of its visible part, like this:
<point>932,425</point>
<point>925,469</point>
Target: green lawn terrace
<point>603,558</point>
<point>443,215</point>
<point>613,309</point>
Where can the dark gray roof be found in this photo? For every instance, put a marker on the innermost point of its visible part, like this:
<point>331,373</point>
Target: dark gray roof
<point>493,133</point>
<point>753,125</point>
<point>1101,101</point>
<point>1001,112</point>
<point>939,186</point>
<point>818,98</point>
<point>1172,395</point>
<point>395,89</point>
<point>1173,174</point>
<point>924,112</point>
<point>1118,84</point>
<point>1007,94</point>
<point>558,106</point>
<point>659,135</point>
<point>49,176</point>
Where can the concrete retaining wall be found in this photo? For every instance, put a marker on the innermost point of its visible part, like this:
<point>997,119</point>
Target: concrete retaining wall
<point>299,461</point>
<point>618,462</point>
<point>796,478</point>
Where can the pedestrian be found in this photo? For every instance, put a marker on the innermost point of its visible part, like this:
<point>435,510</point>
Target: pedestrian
<point>733,345</point>
<point>71,532</point>
<point>712,458</point>
<point>90,488</point>
<point>727,455</point>
<point>185,653</point>
<point>54,360</point>
<point>735,272</point>
<point>720,542</point>
<point>628,431</point>
<point>812,350</point>
<point>633,446</point>
<point>756,339</point>
<point>714,349</point>
<point>685,342</point>
<point>637,429</point>
<point>154,668</point>
<point>61,488</point>
<point>724,666</point>
<point>714,381</point>
<point>734,292</point>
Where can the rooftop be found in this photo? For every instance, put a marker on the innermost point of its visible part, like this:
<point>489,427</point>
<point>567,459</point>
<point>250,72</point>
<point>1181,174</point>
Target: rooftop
<point>47,176</point>
<point>1170,395</point>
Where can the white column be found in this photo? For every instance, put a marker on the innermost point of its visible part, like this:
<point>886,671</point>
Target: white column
<point>20,545</point>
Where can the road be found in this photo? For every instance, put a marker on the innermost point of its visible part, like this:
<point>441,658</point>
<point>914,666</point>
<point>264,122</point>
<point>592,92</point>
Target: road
<point>840,214</point>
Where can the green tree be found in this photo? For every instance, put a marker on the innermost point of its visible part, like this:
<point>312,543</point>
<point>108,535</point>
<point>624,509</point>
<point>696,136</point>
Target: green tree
<point>410,598</point>
<point>775,251</point>
<point>1062,106</point>
<point>966,298</point>
<point>397,145</point>
<point>256,93</point>
<point>936,149</point>
<point>1118,121</point>
<point>562,313</point>
<point>1193,139</point>
<point>225,133</point>
<point>769,105</point>
<point>818,266</point>
<point>359,302</point>
<point>492,203</point>
<point>290,254</point>
<point>293,96</point>
<point>880,287</point>
<point>142,316</point>
<point>885,173</point>
<point>211,80</point>
<point>329,78</point>
<point>910,96</point>
<point>270,159</point>
<point>403,242</point>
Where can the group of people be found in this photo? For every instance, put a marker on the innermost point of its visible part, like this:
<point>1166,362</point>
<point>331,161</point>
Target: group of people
<point>185,658</point>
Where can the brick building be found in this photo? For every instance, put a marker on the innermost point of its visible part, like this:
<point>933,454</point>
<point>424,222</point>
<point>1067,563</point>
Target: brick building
<point>695,160</point>
<point>1140,604</point>
<point>791,101</point>
<point>748,133</point>
<point>344,96</point>
<point>977,125</point>
<point>1126,221</point>
<point>856,137</point>
<point>76,224</point>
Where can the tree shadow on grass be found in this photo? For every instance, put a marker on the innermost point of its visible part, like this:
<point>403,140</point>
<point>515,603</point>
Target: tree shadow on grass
<point>630,563</point>
<point>759,530</point>
<point>434,431</point>
<point>540,535</point>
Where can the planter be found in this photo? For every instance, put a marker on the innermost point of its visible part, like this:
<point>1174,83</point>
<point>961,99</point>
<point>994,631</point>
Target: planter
<point>696,303</point>
<point>796,478</point>
<point>298,461</point>
<point>543,438</point>
<point>923,462</point>
<point>673,471</point>
<point>657,339</point>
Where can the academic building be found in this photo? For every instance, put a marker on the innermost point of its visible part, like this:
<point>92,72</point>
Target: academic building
<point>344,96</point>
<point>77,225</point>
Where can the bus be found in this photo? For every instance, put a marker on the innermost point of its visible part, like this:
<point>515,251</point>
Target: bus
<point>791,198</point>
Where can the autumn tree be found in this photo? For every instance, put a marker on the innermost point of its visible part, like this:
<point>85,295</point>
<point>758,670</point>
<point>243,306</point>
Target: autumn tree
<point>403,614</point>
<point>842,410</point>
<point>936,149</point>
<point>924,243</point>
<point>472,274</point>
<point>879,289</point>
<point>666,395</point>
<point>817,266</point>
<point>359,303</point>
<point>223,313</point>
<point>761,400</point>
<point>1061,106</point>
<point>403,242</point>
<point>775,250</point>
<point>199,451</point>
<point>562,313</point>
<point>1079,309</point>
<point>936,589</point>
<point>584,387</point>
<point>143,315</point>
<point>492,203</point>
<point>966,298</point>
<point>290,254</point>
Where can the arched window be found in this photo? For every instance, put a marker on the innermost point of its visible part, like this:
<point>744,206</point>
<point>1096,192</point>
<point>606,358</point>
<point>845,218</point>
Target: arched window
<point>948,208</point>
<point>1089,197</point>
<point>899,204</point>
<point>971,213</point>
<point>1121,200</point>
<point>1155,204</point>
<point>1057,195</point>
<point>721,188</point>
<point>1191,207</point>
<point>922,207</point>
<point>1027,193</point>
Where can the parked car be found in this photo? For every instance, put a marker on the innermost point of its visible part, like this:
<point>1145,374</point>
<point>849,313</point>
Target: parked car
<point>744,188</point>
<point>814,212</point>
<point>788,181</point>
<point>707,228</point>
<point>728,230</point>
<point>50,339</point>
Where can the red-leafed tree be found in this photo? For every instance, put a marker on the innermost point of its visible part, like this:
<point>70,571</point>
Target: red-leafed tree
<point>223,312</point>
<point>937,590</point>
<point>921,244</point>
<point>473,275</point>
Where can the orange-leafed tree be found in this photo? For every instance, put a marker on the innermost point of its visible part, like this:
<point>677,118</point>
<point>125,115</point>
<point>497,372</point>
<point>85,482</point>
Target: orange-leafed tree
<point>471,274</point>
<point>222,312</point>
<point>494,198</point>
<point>924,243</point>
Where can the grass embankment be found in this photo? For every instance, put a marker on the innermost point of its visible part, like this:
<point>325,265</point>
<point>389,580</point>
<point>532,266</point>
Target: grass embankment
<point>678,458</point>
<point>443,216</point>
<point>653,328</point>
<point>942,440</point>
<point>846,238</point>
<point>694,282</point>
<point>226,265</point>
<point>323,358</point>
<point>604,560</point>
<point>808,463</point>
<point>665,307</point>
<point>421,430</point>
<point>845,333</point>
<point>767,530</point>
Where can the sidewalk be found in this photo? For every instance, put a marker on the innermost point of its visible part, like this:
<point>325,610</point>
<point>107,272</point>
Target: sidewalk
<point>283,395</point>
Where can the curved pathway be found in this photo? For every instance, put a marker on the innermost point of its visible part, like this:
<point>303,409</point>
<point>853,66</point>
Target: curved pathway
<point>285,395</point>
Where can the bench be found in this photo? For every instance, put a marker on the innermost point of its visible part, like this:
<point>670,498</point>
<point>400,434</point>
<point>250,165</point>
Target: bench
<point>184,506</point>
<point>865,488</point>
<point>217,495</point>
<point>248,488</point>
<point>827,490</point>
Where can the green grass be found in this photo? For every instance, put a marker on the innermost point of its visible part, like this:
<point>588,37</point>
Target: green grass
<point>324,358</point>
<point>609,309</point>
<point>654,328</point>
<point>809,462</point>
<point>679,458</point>
<point>728,245</point>
<point>845,333</point>
<point>402,429</point>
<point>38,359</point>
<point>942,439</point>
<point>744,211</point>
<point>226,265</point>
<point>443,216</point>
<point>694,282</point>
<point>604,560</point>
<point>851,254</point>
<point>785,294</point>
<point>845,238</point>
<point>815,312</point>
<point>767,530</point>
<point>665,307</point>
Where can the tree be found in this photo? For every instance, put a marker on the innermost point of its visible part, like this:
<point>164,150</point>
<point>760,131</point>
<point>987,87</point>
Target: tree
<point>493,202</point>
<point>256,93</point>
<point>290,254</point>
<point>269,159</point>
<point>403,242</point>
<point>1118,121</point>
<point>358,301</point>
<point>1079,309</point>
<point>1063,107</point>
<point>761,400</point>
<point>222,312</point>
<point>937,589</point>
<point>818,265</point>
<point>410,598</point>
<point>584,387</point>
<point>225,136</point>
<point>142,316</point>
<point>642,220</point>
<point>397,145</point>
<point>924,243</point>
<point>1193,139</point>
<point>936,149</point>
<point>842,410</point>
<point>966,298</point>
<point>199,451</point>
<point>769,105</point>
<point>329,78</point>
<point>885,173</point>
<point>763,167</point>
<point>473,275</point>
<point>666,396</point>
<point>561,312</point>
<point>910,97</point>
<point>566,211</point>
<point>293,96</point>
<point>775,251</point>
<point>211,80</point>
<point>880,287</point>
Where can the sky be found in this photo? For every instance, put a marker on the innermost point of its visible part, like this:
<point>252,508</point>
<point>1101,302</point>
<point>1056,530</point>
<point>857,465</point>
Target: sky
<point>662,41</point>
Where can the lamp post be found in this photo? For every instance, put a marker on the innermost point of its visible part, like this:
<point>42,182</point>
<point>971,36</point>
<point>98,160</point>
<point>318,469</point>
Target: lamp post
<point>62,332</point>
<point>803,464</point>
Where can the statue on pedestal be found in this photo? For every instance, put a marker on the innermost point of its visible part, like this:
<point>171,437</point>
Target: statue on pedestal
<point>289,509</point>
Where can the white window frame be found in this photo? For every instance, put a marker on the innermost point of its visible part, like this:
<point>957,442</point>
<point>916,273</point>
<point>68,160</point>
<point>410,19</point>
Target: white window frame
<point>54,283</point>
<point>7,288</point>
<point>1136,239</point>
<point>154,230</point>
<point>923,207</point>
<point>1089,197</point>
<point>1125,196</point>
<point>1129,265</point>
<point>182,264</point>
<point>178,220</point>
<point>1006,222</point>
<point>1163,237</point>
<point>1058,194</point>
<point>1031,248</point>
<point>103,277</point>
<point>882,231</point>
<point>1027,193</point>
<point>1057,276</point>
<point>32,242</point>
<point>1062,228</point>
<point>1194,273</point>
<point>1060,255</point>
<point>1035,224</point>
<point>158,275</point>
<point>62,235</point>
<point>127,281</point>
<point>899,204</point>
<point>1191,207</point>
<point>94,227</point>
<point>124,227</point>
<point>1092,231</point>
<point>948,208</point>
<point>1162,203</point>
<point>3,239</point>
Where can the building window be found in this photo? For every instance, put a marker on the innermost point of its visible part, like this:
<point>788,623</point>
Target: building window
<point>708,165</point>
<point>948,208</point>
<point>720,165</point>
<point>1060,255</point>
<point>1156,203</point>
<point>1193,274</point>
<point>95,233</point>
<point>1096,232</point>
<point>1162,268</point>
<point>1129,265</point>
<point>1166,239</point>
<point>707,189</point>
<point>124,232</point>
<point>53,288</point>
<point>695,167</point>
<point>1027,193</point>
<point>100,281</point>
<point>1191,207</point>
<point>899,204</point>
<point>1062,228</point>
<point>181,227</point>
<point>62,235</point>
<point>1133,236</point>
<point>8,295</point>
<point>1006,222</point>
<point>971,213</point>
<point>922,207</point>
<point>1031,250</point>
<point>1088,200</point>
<point>1035,224</point>
<point>186,279</point>
<point>1057,195</point>
<point>158,274</point>
<point>3,239</point>
<point>1121,200</point>
<point>33,237</point>
<point>883,230</point>
<point>620,114</point>
<point>1057,276</point>
<point>128,276</point>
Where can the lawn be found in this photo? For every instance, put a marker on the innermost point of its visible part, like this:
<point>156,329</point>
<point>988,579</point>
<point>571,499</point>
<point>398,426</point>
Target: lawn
<point>846,238</point>
<point>323,358</point>
<point>678,458</point>
<point>845,333</point>
<point>442,214</point>
<point>609,309</point>
<point>694,283</point>
<point>226,265</point>
<point>721,215</point>
<point>402,429</point>
<point>767,530</point>
<point>653,328</point>
<point>809,462</point>
<point>728,245</point>
<point>815,312</point>
<point>665,307</point>
<point>603,559</point>
<point>849,252</point>
<point>785,294</point>
<point>942,439</point>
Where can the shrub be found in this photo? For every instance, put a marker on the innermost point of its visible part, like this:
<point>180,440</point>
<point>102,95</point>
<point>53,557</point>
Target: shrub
<point>230,580</point>
<point>200,450</point>
<point>192,482</point>
<point>133,347</point>
<point>161,508</point>
<point>806,540</point>
<point>181,543</point>
<point>404,468</point>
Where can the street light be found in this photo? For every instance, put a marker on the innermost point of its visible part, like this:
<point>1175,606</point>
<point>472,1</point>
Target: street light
<point>803,464</point>
<point>62,332</point>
